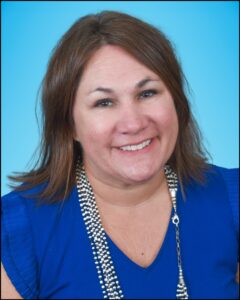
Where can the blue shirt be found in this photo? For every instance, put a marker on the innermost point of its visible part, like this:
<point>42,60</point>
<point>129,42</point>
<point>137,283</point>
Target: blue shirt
<point>47,254</point>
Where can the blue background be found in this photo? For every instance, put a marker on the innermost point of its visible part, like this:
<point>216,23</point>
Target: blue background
<point>205,35</point>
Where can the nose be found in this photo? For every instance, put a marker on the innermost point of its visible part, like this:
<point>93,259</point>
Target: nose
<point>132,120</point>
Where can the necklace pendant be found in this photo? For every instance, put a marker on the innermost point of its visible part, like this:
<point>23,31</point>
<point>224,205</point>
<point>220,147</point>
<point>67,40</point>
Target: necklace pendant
<point>181,287</point>
<point>182,290</point>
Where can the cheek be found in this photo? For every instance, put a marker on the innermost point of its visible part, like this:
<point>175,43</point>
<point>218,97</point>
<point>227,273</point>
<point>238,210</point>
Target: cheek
<point>90,129</point>
<point>170,120</point>
<point>166,117</point>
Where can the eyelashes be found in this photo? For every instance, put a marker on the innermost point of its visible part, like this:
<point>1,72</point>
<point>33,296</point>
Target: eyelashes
<point>103,103</point>
<point>147,94</point>
<point>107,102</point>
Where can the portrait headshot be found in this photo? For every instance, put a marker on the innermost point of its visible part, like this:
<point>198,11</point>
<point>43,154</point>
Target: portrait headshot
<point>120,142</point>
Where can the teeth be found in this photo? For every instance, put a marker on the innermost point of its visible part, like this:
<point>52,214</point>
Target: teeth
<point>136,147</point>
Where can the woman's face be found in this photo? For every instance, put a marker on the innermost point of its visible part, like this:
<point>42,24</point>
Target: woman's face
<point>125,119</point>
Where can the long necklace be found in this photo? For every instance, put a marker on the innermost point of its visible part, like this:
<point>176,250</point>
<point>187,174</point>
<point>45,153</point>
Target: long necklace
<point>107,276</point>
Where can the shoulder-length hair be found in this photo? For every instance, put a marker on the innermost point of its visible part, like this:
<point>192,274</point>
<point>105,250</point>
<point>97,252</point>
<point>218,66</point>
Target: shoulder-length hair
<point>58,149</point>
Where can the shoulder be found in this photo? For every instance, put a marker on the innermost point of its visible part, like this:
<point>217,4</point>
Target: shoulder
<point>230,175</point>
<point>219,191</point>
<point>218,172</point>
<point>23,241</point>
<point>30,201</point>
<point>17,248</point>
<point>216,176</point>
<point>220,178</point>
<point>21,198</point>
<point>227,177</point>
<point>19,206</point>
<point>230,178</point>
<point>226,182</point>
<point>24,213</point>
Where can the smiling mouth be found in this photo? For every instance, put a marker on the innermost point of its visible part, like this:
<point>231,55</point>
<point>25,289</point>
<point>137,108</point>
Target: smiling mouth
<point>136,147</point>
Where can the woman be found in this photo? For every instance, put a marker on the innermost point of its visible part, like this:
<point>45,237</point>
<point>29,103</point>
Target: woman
<point>123,203</point>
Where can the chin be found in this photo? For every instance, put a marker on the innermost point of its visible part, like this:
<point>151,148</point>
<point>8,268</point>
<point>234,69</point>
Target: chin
<point>140,175</point>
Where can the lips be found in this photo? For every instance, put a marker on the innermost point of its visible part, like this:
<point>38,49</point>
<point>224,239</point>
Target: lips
<point>136,147</point>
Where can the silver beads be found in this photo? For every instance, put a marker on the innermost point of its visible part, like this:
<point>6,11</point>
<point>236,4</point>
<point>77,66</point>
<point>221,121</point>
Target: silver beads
<point>101,254</point>
<point>106,273</point>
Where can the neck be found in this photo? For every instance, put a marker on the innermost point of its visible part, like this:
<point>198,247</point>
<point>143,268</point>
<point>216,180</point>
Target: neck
<point>127,197</point>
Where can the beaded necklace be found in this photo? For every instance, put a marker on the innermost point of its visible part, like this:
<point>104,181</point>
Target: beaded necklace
<point>107,276</point>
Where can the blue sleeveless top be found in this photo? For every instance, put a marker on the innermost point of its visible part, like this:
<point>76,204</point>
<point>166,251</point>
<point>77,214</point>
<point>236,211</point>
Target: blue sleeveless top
<point>47,254</point>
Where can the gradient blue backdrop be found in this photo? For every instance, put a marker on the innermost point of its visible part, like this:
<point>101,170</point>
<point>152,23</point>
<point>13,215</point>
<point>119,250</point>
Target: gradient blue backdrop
<point>205,35</point>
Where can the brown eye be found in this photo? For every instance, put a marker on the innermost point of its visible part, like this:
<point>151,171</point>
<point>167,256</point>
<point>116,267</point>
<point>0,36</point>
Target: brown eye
<point>103,103</point>
<point>147,94</point>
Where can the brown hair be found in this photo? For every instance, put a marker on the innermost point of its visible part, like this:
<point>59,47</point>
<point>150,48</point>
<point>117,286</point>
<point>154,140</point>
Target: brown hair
<point>58,150</point>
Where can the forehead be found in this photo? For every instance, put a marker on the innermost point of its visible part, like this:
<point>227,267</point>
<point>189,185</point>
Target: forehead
<point>112,63</point>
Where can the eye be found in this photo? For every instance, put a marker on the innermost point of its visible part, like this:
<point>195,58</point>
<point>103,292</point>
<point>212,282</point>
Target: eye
<point>103,103</point>
<point>147,94</point>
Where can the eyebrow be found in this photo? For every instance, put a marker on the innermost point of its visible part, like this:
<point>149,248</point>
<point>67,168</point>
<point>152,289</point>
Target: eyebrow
<point>140,84</point>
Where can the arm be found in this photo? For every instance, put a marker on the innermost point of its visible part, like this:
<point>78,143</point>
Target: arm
<point>8,291</point>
